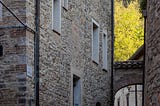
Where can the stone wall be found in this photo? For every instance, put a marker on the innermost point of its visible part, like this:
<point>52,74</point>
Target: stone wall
<point>127,73</point>
<point>68,54</point>
<point>13,89</point>
<point>152,73</point>
<point>17,57</point>
<point>61,55</point>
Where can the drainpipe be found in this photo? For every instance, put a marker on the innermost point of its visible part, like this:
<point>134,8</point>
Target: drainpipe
<point>36,51</point>
<point>144,58</point>
<point>112,51</point>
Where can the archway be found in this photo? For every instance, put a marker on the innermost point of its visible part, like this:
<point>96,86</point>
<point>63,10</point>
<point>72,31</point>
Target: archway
<point>129,96</point>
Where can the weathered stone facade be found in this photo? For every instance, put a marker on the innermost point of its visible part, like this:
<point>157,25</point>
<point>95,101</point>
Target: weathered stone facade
<point>152,56</point>
<point>61,55</point>
<point>13,81</point>
<point>69,53</point>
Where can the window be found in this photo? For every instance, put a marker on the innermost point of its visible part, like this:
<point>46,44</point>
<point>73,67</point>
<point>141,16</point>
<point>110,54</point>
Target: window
<point>56,15</point>
<point>76,91</point>
<point>95,41</point>
<point>65,4</point>
<point>1,50</point>
<point>98,104</point>
<point>1,11</point>
<point>105,51</point>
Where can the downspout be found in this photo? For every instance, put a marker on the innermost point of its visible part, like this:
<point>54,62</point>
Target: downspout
<point>144,58</point>
<point>36,51</point>
<point>112,51</point>
<point>144,12</point>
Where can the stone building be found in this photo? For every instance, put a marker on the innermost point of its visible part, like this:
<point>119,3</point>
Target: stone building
<point>151,77</point>
<point>71,42</point>
<point>131,95</point>
<point>152,55</point>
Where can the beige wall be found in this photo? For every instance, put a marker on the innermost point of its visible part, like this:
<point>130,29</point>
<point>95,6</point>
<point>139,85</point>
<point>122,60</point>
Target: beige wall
<point>61,55</point>
<point>68,53</point>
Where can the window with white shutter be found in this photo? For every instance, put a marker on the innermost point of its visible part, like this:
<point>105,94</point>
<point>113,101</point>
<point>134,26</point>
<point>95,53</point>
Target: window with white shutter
<point>95,41</point>
<point>56,15</point>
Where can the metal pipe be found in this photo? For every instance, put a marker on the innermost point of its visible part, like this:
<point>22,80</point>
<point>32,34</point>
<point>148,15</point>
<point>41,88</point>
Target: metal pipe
<point>144,58</point>
<point>36,50</point>
<point>112,51</point>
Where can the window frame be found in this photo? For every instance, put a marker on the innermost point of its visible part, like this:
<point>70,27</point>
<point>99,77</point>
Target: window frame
<point>56,28</point>
<point>95,58</point>
<point>65,4</point>
<point>105,50</point>
<point>78,80</point>
<point>1,50</point>
<point>1,11</point>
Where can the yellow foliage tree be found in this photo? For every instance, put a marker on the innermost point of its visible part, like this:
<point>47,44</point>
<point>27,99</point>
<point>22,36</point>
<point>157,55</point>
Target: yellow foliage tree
<point>128,30</point>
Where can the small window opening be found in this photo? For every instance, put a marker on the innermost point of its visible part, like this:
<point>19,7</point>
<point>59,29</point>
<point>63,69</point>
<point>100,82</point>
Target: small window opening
<point>76,91</point>
<point>56,16</point>
<point>98,104</point>
<point>105,52</point>
<point>1,50</point>
<point>1,8</point>
<point>95,42</point>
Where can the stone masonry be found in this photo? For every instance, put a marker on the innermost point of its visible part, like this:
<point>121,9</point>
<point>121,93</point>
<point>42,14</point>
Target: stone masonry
<point>67,54</point>
<point>13,81</point>
<point>61,55</point>
<point>127,73</point>
<point>152,63</point>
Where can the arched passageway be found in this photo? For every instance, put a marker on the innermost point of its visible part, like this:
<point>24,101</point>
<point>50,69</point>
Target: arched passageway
<point>129,96</point>
<point>127,73</point>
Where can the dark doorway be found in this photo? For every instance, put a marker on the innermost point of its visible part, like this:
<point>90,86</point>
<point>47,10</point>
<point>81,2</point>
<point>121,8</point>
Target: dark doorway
<point>98,104</point>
